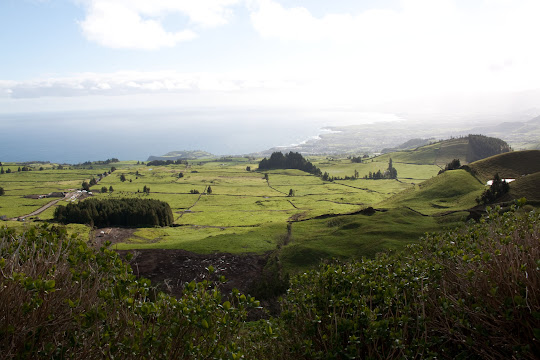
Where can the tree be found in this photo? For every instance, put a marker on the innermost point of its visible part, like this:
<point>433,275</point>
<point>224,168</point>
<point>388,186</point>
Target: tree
<point>19,169</point>
<point>93,181</point>
<point>452,165</point>
<point>146,190</point>
<point>113,169</point>
<point>111,189</point>
<point>248,168</point>
<point>86,186</point>
<point>209,190</point>
<point>103,189</point>
<point>356,174</point>
<point>180,175</point>
<point>2,171</point>
<point>498,188</point>
<point>2,191</point>
<point>392,172</point>
<point>122,178</point>
<point>8,171</point>
<point>266,177</point>
<point>291,193</point>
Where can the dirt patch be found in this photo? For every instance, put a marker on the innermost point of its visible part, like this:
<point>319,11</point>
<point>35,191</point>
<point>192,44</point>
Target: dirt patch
<point>113,235</point>
<point>171,269</point>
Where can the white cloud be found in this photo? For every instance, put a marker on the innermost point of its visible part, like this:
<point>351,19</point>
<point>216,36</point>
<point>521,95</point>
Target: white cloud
<point>131,83</point>
<point>138,24</point>
<point>417,48</point>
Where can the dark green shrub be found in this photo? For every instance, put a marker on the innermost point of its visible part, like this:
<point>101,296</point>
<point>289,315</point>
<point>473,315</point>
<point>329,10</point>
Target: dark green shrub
<point>60,298</point>
<point>468,293</point>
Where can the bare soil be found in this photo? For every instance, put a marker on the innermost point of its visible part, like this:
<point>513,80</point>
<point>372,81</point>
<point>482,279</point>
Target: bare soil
<point>171,269</point>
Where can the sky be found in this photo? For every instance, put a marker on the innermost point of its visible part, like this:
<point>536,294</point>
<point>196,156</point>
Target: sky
<point>65,55</point>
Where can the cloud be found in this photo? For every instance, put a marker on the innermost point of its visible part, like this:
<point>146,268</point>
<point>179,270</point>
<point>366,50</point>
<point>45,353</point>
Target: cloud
<point>133,83</point>
<point>138,24</point>
<point>416,47</point>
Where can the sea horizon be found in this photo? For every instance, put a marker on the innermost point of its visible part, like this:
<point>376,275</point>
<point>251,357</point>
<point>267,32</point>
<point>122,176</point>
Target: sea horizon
<point>75,137</point>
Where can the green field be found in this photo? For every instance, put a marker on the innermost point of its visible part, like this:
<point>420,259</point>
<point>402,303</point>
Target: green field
<point>245,213</point>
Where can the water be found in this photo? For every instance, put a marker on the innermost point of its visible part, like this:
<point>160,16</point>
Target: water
<point>74,137</point>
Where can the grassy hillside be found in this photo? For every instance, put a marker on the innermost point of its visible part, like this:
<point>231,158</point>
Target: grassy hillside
<point>527,187</point>
<point>509,165</point>
<point>353,236</point>
<point>467,149</point>
<point>453,190</point>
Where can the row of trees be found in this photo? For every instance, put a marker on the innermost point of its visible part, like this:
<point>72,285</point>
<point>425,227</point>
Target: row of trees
<point>117,212</point>
<point>8,171</point>
<point>389,173</point>
<point>166,162</point>
<point>99,162</point>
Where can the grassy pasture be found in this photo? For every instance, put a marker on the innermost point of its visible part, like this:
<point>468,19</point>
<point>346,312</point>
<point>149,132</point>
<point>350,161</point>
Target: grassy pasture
<point>353,236</point>
<point>247,214</point>
<point>451,191</point>
<point>440,153</point>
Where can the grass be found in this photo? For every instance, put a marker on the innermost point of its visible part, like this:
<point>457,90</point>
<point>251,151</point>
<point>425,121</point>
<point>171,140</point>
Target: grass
<point>356,236</point>
<point>247,214</point>
<point>451,191</point>
<point>510,165</point>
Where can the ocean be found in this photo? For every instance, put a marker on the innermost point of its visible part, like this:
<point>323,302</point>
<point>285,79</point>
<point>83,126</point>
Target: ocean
<point>75,137</point>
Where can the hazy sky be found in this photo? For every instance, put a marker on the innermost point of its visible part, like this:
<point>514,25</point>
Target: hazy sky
<point>100,54</point>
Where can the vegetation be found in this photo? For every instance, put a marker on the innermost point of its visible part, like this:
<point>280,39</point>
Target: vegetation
<point>2,191</point>
<point>166,162</point>
<point>466,293</point>
<point>511,165</point>
<point>390,173</point>
<point>292,160</point>
<point>481,147</point>
<point>498,188</point>
<point>120,212</point>
<point>60,298</point>
<point>452,165</point>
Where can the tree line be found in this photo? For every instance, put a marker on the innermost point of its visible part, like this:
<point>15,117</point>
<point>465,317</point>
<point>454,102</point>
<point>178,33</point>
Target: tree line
<point>481,147</point>
<point>166,162</point>
<point>118,212</point>
<point>389,173</point>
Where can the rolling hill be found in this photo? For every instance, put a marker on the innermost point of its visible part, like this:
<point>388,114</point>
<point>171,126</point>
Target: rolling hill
<point>466,149</point>
<point>512,165</point>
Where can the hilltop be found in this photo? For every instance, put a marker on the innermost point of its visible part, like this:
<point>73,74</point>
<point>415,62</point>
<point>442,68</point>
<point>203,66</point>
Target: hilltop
<point>183,155</point>
<point>467,149</point>
<point>512,165</point>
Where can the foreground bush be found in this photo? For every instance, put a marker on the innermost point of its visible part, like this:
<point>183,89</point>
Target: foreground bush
<point>469,293</point>
<point>61,299</point>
